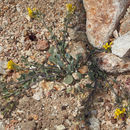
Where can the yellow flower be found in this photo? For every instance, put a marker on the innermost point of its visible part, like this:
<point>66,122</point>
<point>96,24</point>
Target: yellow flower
<point>70,8</point>
<point>111,43</point>
<point>106,85</point>
<point>123,110</point>
<point>11,65</point>
<point>32,13</point>
<point>119,113</point>
<point>107,46</point>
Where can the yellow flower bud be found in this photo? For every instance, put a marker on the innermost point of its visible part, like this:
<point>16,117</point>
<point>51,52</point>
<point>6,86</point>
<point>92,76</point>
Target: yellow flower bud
<point>11,65</point>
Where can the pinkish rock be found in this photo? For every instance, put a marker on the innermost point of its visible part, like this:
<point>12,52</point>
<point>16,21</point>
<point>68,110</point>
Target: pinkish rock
<point>76,48</point>
<point>125,23</point>
<point>112,64</point>
<point>102,18</point>
<point>42,45</point>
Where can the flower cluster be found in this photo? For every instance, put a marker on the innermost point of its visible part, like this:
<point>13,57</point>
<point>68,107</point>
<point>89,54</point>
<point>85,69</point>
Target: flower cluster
<point>32,13</point>
<point>70,8</point>
<point>11,65</point>
<point>119,113</point>
<point>107,46</point>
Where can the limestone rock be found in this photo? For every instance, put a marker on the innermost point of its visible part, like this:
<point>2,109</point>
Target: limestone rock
<point>121,46</point>
<point>102,17</point>
<point>112,64</point>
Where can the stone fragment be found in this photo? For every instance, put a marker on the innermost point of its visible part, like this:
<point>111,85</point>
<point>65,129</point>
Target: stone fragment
<point>2,71</point>
<point>77,48</point>
<point>1,49</point>
<point>125,23</point>
<point>121,46</point>
<point>128,124</point>
<point>34,86</point>
<point>115,34</point>
<point>60,127</point>
<point>75,76</point>
<point>28,52</point>
<point>77,35</point>
<point>83,69</point>
<point>95,124</point>
<point>28,18</point>
<point>102,17</point>
<point>58,86</point>
<point>42,45</point>
<point>46,86</point>
<point>125,26</point>
<point>38,94</point>
<point>18,8</point>
<point>3,66</point>
<point>1,126</point>
<point>29,125</point>
<point>52,1</point>
<point>112,64</point>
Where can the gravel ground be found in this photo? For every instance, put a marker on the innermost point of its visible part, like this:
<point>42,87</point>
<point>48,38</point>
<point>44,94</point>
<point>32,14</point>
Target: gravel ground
<point>56,109</point>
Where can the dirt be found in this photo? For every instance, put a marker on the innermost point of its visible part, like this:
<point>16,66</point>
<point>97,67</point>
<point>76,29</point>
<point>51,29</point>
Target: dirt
<point>57,109</point>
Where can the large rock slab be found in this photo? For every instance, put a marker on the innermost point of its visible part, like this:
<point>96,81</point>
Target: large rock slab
<point>121,46</point>
<point>112,63</point>
<point>102,17</point>
<point>125,22</point>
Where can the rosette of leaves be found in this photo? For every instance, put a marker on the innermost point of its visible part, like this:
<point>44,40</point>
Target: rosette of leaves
<point>65,62</point>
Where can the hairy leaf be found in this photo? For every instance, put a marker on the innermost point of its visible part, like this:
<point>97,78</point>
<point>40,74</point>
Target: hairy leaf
<point>68,79</point>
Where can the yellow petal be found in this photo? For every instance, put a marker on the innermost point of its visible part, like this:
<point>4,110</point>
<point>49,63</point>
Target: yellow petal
<point>70,8</point>
<point>124,110</point>
<point>34,9</point>
<point>111,43</point>
<point>107,44</point>
<point>29,10</point>
<point>11,65</point>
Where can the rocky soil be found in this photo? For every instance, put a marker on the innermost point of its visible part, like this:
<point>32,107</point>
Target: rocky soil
<point>55,105</point>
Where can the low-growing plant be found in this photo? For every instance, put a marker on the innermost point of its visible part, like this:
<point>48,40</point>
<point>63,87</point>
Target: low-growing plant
<point>60,65</point>
<point>107,46</point>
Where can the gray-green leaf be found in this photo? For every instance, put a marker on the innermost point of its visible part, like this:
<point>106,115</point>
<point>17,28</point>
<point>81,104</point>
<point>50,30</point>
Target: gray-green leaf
<point>68,79</point>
